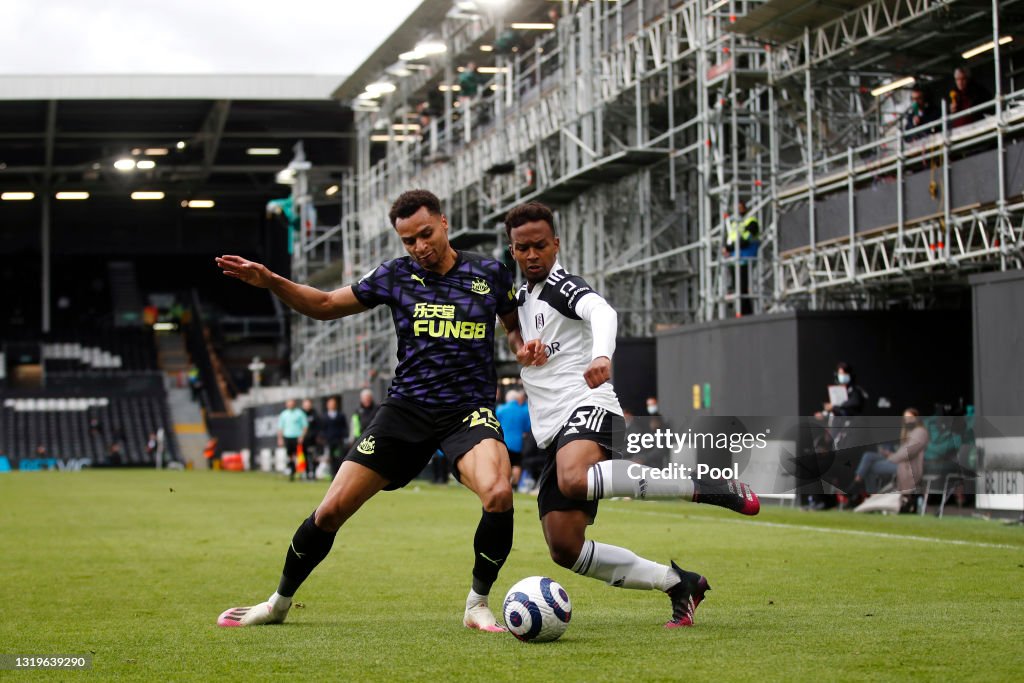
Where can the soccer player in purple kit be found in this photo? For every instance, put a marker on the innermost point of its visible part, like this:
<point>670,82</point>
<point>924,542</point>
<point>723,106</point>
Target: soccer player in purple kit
<point>444,303</point>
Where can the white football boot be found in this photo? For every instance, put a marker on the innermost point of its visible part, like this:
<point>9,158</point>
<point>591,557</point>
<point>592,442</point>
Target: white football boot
<point>479,616</point>
<point>273,611</point>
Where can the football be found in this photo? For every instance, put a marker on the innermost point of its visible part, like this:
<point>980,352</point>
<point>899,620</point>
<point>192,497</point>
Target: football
<point>537,610</point>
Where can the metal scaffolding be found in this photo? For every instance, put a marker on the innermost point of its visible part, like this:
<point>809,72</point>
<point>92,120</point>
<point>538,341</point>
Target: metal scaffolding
<point>645,124</point>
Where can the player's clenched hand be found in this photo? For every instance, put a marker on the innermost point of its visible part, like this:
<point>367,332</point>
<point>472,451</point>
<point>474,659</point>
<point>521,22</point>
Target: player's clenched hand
<point>531,353</point>
<point>599,372</point>
<point>249,272</point>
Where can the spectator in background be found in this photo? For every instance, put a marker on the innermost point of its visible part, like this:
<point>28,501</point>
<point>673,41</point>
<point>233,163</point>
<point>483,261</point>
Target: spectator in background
<point>439,467</point>
<point>507,42</point>
<point>291,427</point>
<point>652,406</point>
<point>311,439</point>
<point>335,434</point>
<point>921,112</point>
<point>469,82</point>
<point>965,94</point>
<point>194,382</point>
<point>115,454</point>
<point>364,413</point>
<point>533,464</point>
<point>905,463</point>
<point>742,232</point>
<point>151,445</point>
<point>656,420</point>
<point>514,417</point>
<point>176,313</point>
<point>855,396</point>
<point>846,400</point>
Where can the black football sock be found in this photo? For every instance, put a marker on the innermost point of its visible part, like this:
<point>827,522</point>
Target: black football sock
<point>491,546</point>
<point>309,547</point>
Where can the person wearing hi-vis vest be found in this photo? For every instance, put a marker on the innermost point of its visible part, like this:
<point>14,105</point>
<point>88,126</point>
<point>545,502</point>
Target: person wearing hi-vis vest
<point>746,230</point>
<point>742,230</point>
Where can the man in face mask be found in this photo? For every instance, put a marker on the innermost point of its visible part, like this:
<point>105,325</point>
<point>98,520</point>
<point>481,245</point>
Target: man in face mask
<point>836,436</point>
<point>652,406</point>
<point>854,403</point>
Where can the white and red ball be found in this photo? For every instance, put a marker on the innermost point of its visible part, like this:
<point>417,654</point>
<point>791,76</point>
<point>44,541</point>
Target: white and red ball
<point>537,610</point>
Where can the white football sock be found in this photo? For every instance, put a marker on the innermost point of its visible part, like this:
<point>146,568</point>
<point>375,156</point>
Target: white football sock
<point>279,603</point>
<point>623,568</point>
<point>474,599</point>
<point>612,478</point>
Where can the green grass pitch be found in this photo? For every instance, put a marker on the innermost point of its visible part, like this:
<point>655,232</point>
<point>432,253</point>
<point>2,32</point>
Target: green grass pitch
<point>135,566</point>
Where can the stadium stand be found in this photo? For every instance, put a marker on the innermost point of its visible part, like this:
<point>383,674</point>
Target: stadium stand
<point>95,388</point>
<point>82,427</point>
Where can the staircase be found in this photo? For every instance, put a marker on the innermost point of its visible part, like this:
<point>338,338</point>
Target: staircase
<point>125,298</point>
<point>186,415</point>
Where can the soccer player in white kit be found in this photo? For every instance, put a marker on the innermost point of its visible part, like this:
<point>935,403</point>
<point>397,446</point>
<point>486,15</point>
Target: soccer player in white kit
<point>576,415</point>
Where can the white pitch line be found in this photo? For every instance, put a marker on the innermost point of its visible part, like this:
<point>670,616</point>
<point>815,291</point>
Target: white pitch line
<point>827,530</point>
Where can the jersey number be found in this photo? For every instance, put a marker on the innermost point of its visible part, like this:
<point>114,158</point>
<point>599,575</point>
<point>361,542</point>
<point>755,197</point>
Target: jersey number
<point>583,417</point>
<point>482,416</point>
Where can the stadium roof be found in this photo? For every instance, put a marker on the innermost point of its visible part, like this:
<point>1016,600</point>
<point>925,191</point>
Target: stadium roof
<point>427,16</point>
<point>168,87</point>
<point>424,22</point>
<point>199,136</point>
<point>783,20</point>
<point>927,46</point>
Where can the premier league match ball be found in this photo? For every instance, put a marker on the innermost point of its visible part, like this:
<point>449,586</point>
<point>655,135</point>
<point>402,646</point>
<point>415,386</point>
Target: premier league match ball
<point>537,610</point>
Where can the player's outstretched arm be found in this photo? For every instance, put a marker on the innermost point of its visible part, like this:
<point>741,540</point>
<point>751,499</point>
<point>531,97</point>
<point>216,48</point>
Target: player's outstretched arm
<point>302,298</point>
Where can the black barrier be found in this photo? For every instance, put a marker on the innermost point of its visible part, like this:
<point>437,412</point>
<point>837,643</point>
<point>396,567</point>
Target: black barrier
<point>232,433</point>
<point>263,426</point>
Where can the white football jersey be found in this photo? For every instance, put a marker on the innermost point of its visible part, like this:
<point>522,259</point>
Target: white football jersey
<point>557,312</point>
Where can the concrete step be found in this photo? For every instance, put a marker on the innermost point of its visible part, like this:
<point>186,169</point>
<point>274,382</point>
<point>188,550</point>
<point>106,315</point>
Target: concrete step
<point>172,362</point>
<point>192,446</point>
<point>183,409</point>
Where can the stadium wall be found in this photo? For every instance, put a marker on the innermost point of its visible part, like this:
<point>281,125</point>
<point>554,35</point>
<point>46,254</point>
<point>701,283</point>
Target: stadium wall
<point>780,365</point>
<point>875,203</point>
<point>998,343</point>
<point>635,372</point>
<point>730,357</point>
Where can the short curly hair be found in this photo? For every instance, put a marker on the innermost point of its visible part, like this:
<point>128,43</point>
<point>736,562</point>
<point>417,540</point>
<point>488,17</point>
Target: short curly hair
<point>410,202</point>
<point>527,213</point>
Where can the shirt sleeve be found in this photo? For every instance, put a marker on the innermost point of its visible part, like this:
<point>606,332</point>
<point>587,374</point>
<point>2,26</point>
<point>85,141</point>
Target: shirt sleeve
<point>374,288</point>
<point>566,294</point>
<point>506,291</point>
<point>604,323</point>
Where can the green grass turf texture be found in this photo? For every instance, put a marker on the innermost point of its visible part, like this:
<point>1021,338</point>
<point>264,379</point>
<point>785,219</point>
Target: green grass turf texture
<point>135,566</point>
